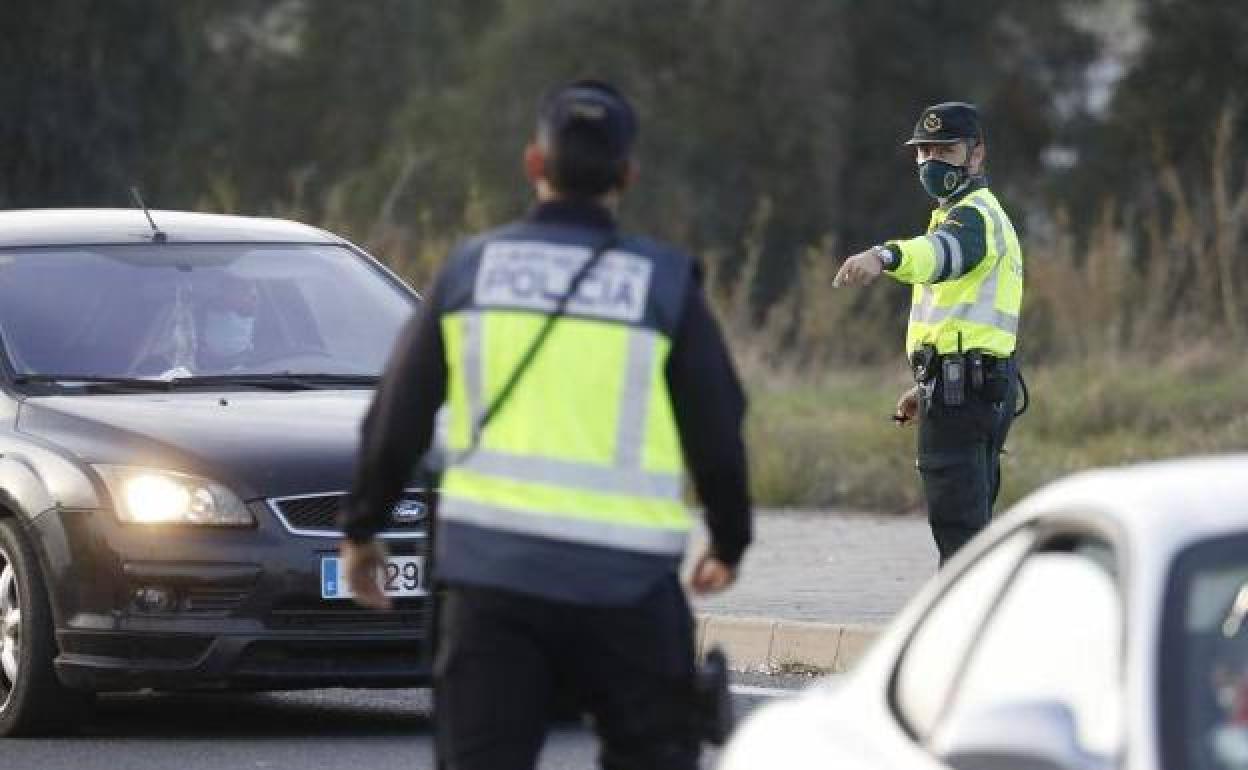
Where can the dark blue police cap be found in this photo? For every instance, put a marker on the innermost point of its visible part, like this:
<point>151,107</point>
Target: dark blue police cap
<point>946,123</point>
<point>593,105</point>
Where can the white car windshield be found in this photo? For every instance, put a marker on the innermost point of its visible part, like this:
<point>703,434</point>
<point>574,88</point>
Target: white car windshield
<point>165,311</point>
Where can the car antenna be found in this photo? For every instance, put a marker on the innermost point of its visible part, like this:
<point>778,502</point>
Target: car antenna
<point>158,235</point>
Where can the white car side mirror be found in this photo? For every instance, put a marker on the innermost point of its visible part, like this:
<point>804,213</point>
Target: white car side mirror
<point>1025,735</point>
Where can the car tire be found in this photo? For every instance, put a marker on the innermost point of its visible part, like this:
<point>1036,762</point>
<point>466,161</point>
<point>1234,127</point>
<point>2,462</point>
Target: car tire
<point>32,699</point>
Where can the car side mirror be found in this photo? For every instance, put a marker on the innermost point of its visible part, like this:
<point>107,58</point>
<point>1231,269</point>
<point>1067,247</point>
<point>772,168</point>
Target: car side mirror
<point>1026,735</point>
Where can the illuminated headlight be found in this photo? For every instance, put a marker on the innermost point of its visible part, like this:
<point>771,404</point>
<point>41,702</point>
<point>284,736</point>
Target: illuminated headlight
<point>148,496</point>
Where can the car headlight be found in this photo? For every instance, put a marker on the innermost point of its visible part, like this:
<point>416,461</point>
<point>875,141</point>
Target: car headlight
<point>149,496</point>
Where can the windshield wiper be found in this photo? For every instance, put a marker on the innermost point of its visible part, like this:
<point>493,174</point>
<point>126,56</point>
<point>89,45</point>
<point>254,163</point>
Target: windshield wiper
<point>96,383</point>
<point>276,381</point>
<point>280,381</point>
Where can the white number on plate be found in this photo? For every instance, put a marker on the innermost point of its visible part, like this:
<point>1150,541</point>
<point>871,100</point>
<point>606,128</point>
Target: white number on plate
<point>402,576</point>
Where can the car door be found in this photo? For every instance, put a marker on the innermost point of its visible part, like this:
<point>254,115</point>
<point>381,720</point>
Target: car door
<point>855,722</point>
<point>1033,676</point>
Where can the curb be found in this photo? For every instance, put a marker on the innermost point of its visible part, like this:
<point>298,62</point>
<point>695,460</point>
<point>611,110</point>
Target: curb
<point>764,644</point>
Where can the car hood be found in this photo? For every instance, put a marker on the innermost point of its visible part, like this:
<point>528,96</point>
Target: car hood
<point>833,724</point>
<point>260,444</point>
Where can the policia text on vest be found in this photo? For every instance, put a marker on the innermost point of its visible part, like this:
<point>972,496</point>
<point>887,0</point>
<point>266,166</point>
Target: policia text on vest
<point>561,525</point>
<point>967,278</point>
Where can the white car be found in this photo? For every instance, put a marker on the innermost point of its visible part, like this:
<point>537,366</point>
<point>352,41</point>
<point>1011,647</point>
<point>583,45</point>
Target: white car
<point>1099,624</point>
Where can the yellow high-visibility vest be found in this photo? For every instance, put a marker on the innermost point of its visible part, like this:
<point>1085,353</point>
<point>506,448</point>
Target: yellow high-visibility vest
<point>982,306</point>
<point>585,450</point>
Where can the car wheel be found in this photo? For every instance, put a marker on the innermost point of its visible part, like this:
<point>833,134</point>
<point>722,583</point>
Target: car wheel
<point>32,700</point>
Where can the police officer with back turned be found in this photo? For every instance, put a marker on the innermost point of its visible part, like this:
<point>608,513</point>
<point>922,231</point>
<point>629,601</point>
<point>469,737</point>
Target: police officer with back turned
<point>582,373</point>
<point>967,273</point>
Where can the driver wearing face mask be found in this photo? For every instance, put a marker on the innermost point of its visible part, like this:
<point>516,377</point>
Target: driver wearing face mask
<point>227,321</point>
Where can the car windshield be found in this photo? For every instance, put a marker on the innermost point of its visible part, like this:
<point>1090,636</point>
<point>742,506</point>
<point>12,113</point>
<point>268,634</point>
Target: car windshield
<point>1204,658</point>
<point>166,311</point>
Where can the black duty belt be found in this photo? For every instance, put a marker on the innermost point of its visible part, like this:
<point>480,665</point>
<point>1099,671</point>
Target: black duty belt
<point>925,363</point>
<point>951,378</point>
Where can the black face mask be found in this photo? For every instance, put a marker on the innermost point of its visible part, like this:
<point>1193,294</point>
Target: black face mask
<point>941,179</point>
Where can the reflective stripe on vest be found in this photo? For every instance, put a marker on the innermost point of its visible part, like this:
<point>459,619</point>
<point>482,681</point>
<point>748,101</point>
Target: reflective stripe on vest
<point>609,474</point>
<point>946,255</point>
<point>558,527</point>
<point>621,479</point>
<point>927,314</point>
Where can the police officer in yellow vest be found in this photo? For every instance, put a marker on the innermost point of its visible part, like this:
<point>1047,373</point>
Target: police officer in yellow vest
<point>967,274</point>
<point>583,374</point>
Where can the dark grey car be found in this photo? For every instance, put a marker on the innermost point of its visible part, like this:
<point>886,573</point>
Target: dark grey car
<point>179,412</point>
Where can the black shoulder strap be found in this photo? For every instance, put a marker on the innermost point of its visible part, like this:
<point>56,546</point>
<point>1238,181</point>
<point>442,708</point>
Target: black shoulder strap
<point>527,359</point>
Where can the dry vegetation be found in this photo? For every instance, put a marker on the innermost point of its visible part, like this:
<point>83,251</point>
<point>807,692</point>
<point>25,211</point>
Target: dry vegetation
<point>1130,345</point>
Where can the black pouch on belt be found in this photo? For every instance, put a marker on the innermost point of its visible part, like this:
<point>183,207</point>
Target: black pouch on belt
<point>975,371</point>
<point>996,381</point>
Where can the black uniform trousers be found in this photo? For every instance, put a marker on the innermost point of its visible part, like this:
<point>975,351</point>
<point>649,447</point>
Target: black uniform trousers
<point>959,459</point>
<point>505,659</point>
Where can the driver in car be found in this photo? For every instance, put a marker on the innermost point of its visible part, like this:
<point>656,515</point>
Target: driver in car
<point>209,329</point>
<point>226,322</point>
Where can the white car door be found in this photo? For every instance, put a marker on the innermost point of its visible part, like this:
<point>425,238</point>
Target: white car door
<point>1042,686</point>
<point>1016,664</point>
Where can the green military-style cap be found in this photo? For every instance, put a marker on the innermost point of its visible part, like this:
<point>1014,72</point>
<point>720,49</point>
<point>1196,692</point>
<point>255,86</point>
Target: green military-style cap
<point>946,123</point>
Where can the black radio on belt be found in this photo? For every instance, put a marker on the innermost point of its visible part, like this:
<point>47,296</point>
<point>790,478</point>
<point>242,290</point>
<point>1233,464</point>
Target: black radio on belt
<point>953,380</point>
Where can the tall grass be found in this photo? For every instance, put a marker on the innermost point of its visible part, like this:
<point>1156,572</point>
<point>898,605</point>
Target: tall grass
<point>826,441</point>
<point>1157,277</point>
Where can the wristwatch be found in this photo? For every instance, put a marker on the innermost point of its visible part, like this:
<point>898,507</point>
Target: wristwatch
<point>887,259</point>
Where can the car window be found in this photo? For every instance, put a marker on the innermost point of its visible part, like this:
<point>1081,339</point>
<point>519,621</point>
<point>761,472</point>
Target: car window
<point>1204,660</point>
<point>934,654</point>
<point>1055,637</point>
<point>162,310</point>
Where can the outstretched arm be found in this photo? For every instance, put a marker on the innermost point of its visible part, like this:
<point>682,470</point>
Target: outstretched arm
<point>947,253</point>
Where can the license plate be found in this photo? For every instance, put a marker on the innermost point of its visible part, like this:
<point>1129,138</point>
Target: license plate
<point>403,576</point>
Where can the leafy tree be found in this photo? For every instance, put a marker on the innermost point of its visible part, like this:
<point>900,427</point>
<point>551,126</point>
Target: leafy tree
<point>767,127</point>
<point>92,92</point>
<point>1167,107</point>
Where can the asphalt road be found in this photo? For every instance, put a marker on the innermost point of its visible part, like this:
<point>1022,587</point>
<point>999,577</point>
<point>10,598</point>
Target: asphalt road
<point>377,730</point>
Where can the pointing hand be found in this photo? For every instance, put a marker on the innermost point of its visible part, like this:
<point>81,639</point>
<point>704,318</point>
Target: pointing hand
<point>859,270</point>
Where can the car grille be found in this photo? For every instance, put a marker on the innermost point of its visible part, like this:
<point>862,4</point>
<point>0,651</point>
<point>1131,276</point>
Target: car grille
<point>407,614</point>
<point>318,514</point>
<point>327,658</point>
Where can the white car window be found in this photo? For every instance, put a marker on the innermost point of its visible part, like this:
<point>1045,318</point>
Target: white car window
<point>935,653</point>
<point>1055,637</point>
<point>1204,659</point>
